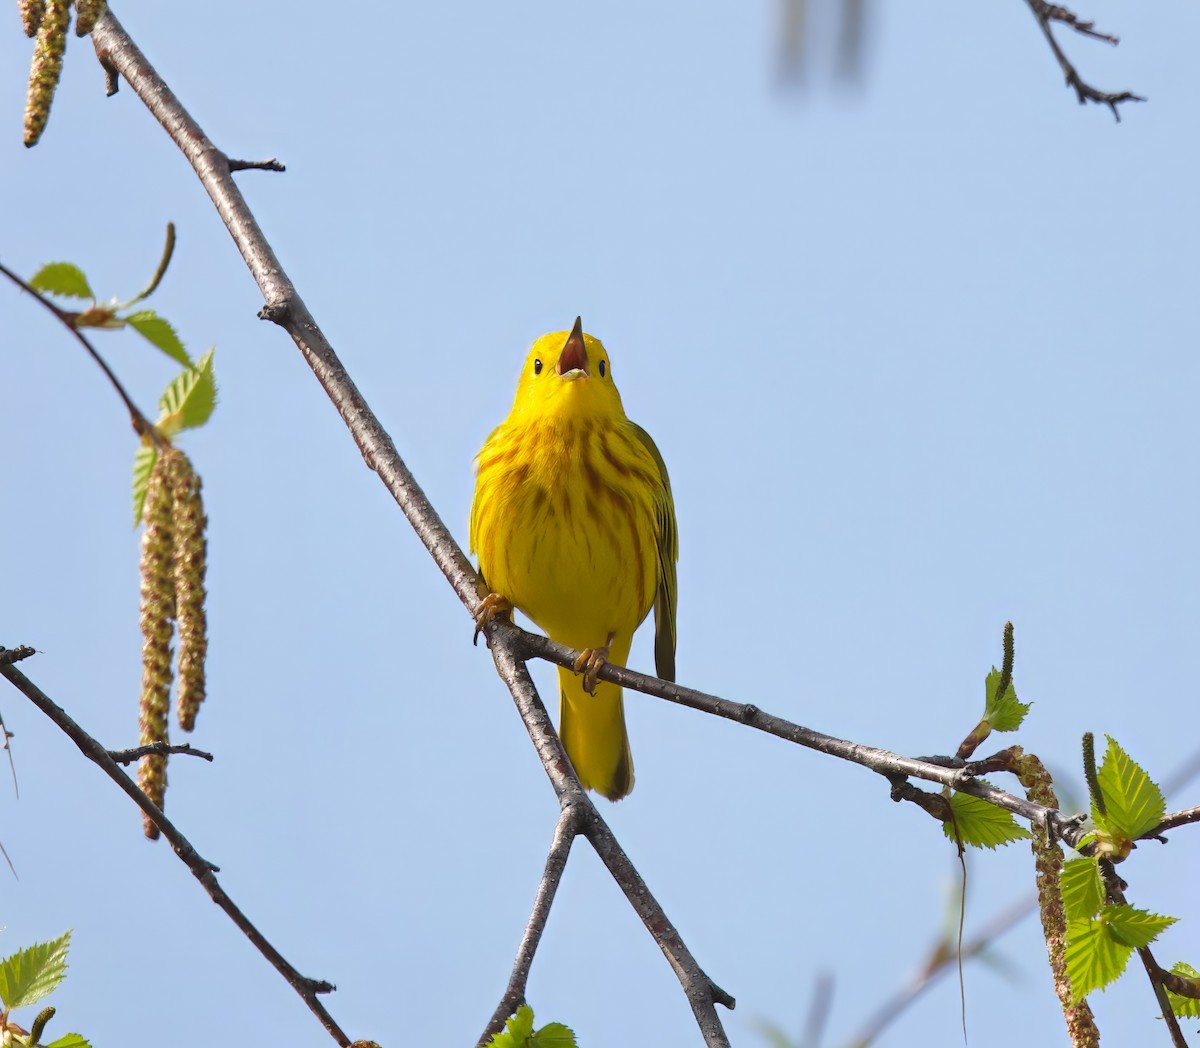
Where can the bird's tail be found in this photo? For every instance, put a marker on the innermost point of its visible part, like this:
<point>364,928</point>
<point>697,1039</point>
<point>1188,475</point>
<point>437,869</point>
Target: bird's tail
<point>593,731</point>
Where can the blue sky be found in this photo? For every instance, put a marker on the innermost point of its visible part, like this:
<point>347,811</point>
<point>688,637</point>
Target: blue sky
<point>919,354</point>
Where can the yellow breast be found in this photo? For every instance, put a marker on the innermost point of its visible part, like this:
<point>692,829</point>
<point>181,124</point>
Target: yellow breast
<point>564,525</point>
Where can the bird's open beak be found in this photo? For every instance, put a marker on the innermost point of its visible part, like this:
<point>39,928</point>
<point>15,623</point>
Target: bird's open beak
<point>573,361</point>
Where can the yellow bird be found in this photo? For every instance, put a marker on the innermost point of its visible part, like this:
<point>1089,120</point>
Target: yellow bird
<point>574,524</point>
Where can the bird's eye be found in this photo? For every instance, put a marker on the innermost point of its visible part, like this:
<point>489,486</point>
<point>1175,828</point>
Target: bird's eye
<point>602,368</point>
<point>537,367</point>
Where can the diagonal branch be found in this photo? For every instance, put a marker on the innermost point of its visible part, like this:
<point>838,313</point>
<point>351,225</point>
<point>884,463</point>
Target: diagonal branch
<point>1046,13</point>
<point>565,831</point>
<point>203,870</point>
<point>702,993</point>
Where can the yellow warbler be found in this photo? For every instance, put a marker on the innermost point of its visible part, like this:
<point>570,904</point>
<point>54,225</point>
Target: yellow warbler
<point>574,524</point>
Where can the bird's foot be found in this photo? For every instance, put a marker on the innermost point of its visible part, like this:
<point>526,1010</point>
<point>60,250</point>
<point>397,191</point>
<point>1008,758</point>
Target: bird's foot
<point>492,606</point>
<point>589,662</point>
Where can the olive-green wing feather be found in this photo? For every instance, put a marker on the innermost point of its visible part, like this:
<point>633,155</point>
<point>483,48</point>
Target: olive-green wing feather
<point>667,546</point>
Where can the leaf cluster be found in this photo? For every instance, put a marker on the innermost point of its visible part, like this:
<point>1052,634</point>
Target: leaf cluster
<point>26,977</point>
<point>189,398</point>
<point>518,1032</point>
<point>1103,932</point>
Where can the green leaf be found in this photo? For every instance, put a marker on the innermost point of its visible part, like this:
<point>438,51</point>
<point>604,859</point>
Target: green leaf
<point>1135,804</point>
<point>1094,957</point>
<point>1082,888</point>
<point>189,399</point>
<point>1003,712</point>
<point>980,824</point>
<point>71,1040</point>
<point>158,332</point>
<point>28,975</point>
<point>554,1035</point>
<point>1188,1007</point>
<point>516,1032</point>
<point>1136,928</point>
<point>143,465</point>
<point>62,278</point>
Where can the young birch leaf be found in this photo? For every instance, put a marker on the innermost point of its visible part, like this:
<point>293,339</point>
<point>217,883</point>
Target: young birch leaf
<point>159,333</point>
<point>554,1035</point>
<point>1003,712</point>
<point>1082,889</point>
<point>189,399</point>
<point>143,465</point>
<point>1094,957</point>
<point>1136,928</point>
<point>980,824</point>
<point>1185,1007</point>
<point>517,1030</point>
<point>62,278</point>
<point>28,975</point>
<point>70,1040</point>
<point>1135,804</point>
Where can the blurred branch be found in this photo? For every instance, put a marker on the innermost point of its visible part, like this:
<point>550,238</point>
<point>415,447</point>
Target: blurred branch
<point>938,962</point>
<point>1048,13</point>
<point>203,870</point>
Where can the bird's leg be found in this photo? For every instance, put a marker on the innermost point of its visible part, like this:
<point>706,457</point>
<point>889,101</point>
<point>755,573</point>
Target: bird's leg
<point>491,607</point>
<point>589,663</point>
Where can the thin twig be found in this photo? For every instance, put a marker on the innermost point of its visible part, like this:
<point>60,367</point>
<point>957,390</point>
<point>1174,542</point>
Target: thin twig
<point>1045,14</point>
<point>203,870</point>
<point>141,424</point>
<point>163,748</point>
<point>256,165</point>
<point>1173,821</point>
<point>565,831</point>
<point>1060,14</point>
<point>1160,993</point>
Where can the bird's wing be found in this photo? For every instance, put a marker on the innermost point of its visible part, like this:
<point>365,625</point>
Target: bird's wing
<point>667,546</point>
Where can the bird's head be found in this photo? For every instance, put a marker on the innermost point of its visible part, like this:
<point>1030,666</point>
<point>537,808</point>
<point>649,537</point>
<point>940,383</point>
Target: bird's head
<point>567,375</point>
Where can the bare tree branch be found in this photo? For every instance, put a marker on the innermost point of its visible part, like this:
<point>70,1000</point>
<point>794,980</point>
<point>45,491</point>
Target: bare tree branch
<point>1173,821</point>
<point>10,655</point>
<point>256,165</point>
<point>203,870</point>
<point>565,831</point>
<point>1046,13</point>
<point>164,748</point>
<point>702,993</point>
